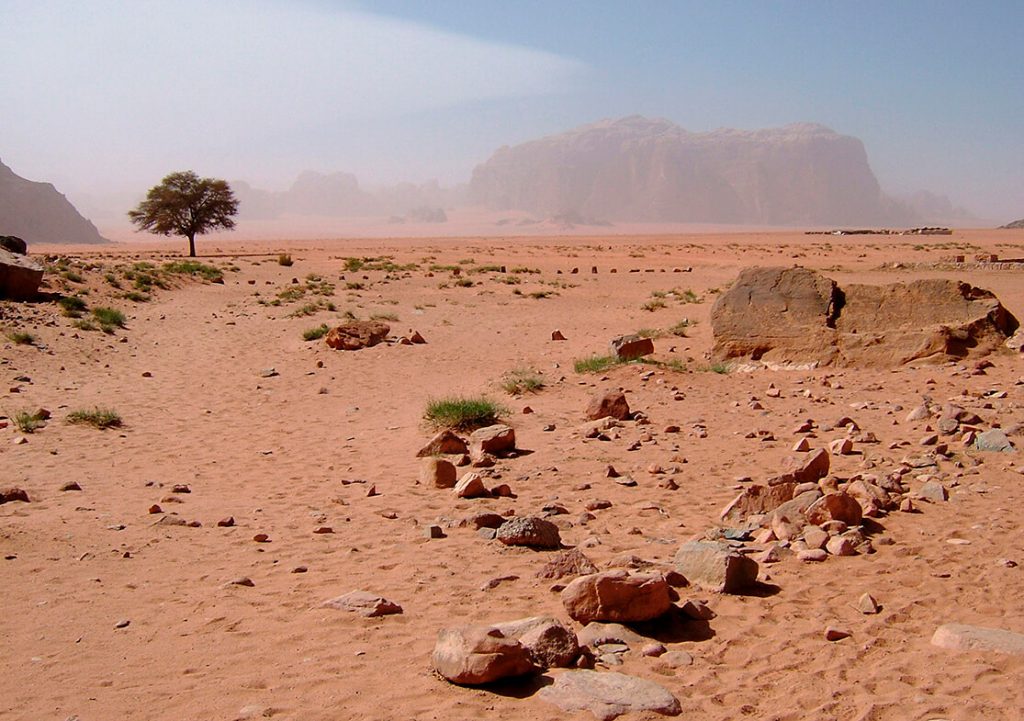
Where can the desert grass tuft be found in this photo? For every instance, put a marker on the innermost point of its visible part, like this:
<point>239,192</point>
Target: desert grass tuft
<point>21,337</point>
<point>522,380</point>
<point>462,413</point>
<point>315,333</point>
<point>97,417</point>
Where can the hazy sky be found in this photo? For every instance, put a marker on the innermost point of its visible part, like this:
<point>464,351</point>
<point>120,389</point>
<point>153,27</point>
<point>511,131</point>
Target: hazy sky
<point>103,97</point>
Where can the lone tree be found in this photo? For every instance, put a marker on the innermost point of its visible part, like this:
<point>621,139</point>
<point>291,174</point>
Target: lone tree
<point>185,204</point>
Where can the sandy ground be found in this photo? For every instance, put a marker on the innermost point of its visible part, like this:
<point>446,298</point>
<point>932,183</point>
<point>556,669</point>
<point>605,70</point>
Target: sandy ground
<point>289,453</point>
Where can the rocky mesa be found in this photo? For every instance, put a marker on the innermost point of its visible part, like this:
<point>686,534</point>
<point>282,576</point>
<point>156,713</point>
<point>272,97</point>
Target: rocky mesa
<point>638,169</point>
<point>38,213</point>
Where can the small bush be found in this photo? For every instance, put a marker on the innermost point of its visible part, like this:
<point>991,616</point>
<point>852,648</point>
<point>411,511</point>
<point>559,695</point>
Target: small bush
<point>679,329</point>
<point>595,364</point>
<point>20,337</point>
<point>353,265</point>
<point>653,305</point>
<point>97,417</point>
<point>315,333</point>
<point>193,267</point>
<point>307,309</point>
<point>136,297</point>
<point>108,317</point>
<point>720,368</point>
<point>384,316</point>
<point>73,276</point>
<point>648,333</point>
<point>463,413</point>
<point>541,294</point>
<point>84,324</point>
<point>354,286</point>
<point>522,380</point>
<point>285,259</point>
<point>72,305</point>
<point>463,283</point>
<point>28,421</point>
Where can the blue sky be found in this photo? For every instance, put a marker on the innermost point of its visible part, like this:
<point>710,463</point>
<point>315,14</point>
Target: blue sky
<point>389,90</point>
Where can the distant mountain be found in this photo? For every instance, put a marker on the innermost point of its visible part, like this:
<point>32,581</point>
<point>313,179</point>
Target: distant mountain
<point>637,169</point>
<point>340,195</point>
<point>1015,225</point>
<point>37,213</point>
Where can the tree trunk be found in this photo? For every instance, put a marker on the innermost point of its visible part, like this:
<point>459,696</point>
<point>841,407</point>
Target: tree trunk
<point>191,245</point>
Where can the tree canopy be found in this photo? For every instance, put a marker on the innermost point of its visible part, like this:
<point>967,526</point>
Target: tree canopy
<point>185,204</point>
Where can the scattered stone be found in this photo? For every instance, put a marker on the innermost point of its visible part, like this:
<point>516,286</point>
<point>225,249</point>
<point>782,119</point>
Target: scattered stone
<point>960,637</point>
<point>993,440</point>
<point>496,440</point>
<point>608,694</point>
<point>608,405</point>
<point>154,509</point>
<point>677,659</point>
<point>432,532</point>
<point>70,486</point>
<point>802,446</point>
<point>364,603</point>
<point>8,495</point>
<point>437,473</point>
<point>841,546</point>
<point>812,555</point>
<point>557,335</point>
<point>697,610</point>
<point>444,443</point>
<point>471,485</point>
<point>835,507</point>
<point>841,447</point>
<point>716,566</point>
<point>261,538</point>
<point>616,596</point>
<point>357,334</point>
<point>836,634</point>
<point>529,531</point>
<point>242,581</point>
<point>653,650</point>
<point>226,522</point>
<point>630,347</point>
<point>932,491</point>
<point>567,563</point>
<point>474,655</point>
<point>867,604</point>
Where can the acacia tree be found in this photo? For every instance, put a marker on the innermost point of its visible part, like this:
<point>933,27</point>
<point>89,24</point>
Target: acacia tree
<point>185,204</point>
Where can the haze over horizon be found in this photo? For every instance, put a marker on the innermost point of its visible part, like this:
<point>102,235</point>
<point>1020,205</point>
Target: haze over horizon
<point>105,98</point>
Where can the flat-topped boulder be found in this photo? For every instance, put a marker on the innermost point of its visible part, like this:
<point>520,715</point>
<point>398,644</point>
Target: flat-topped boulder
<point>20,276</point>
<point>357,334</point>
<point>608,695</point>
<point>796,316</point>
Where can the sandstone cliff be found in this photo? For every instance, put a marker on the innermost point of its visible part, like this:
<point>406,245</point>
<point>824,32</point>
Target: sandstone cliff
<point>38,213</point>
<point>636,169</point>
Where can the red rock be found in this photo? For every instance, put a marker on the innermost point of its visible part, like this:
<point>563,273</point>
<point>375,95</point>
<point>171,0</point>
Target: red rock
<point>497,440</point>
<point>154,509</point>
<point>715,566</point>
<point>631,347</point>
<point>11,494</point>
<point>550,643</point>
<point>567,563</point>
<point>557,335</point>
<point>437,473</point>
<point>616,596</point>
<point>835,507</point>
<point>357,334</point>
<point>471,486</point>
<point>444,443</point>
<point>608,405</point>
<point>836,634</point>
<point>226,522</point>
<point>474,655</point>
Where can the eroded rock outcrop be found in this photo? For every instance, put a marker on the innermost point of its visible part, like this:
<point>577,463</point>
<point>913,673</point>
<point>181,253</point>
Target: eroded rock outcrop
<point>798,316</point>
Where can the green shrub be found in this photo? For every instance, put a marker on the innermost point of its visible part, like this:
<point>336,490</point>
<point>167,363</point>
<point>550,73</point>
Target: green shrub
<point>315,333</point>
<point>595,364</point>
<point>28,421</point>
<point>72,305</point>
<point>97,417</point>
<point>285,259</point>
<point>653,305</point>
<point>210,273</point>
<point>461,413</point>
<point>20,337</point>
<point>108,318</point>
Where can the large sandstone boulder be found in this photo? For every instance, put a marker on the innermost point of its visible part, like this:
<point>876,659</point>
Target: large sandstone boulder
<point>961,637</point>
<point>357,334</point>
<point>20,276</point>
<point>617,596</point>
<point>716,566</point>
<point>798,316</point>
<point>474,655</point>
<point>550,643</point>
<point>611,404</point>
<point>497,440</point>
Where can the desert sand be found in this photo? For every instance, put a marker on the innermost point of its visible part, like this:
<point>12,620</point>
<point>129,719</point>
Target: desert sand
<point>110,612</point>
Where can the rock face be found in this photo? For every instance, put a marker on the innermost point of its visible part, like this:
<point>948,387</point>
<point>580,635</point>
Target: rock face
<point>616,596</point>
<point>19,276</point>
<point>798,316</point>
<point>608,695</point>
<point>636,169</point>
<point>357,334</point>
<point>40,214</point>
<point>474,655</point>
<point>716,567</point>
<point>13,244</point>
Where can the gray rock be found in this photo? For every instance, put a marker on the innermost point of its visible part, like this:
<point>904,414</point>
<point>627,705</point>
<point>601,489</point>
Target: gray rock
<point>716,566</point>
<point>529,531</point>
<point>608,694</point>
<point>19,276</point>
<point>993,440</point>
<point>960,637</point>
